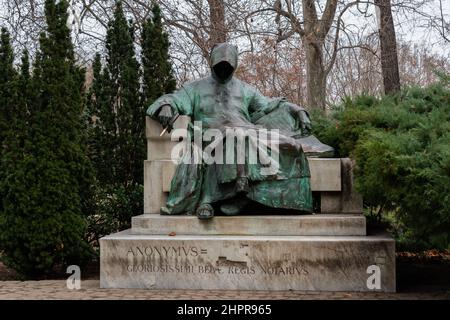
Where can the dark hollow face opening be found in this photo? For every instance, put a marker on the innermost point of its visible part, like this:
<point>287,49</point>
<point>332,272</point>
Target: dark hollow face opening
<point>223,70</point>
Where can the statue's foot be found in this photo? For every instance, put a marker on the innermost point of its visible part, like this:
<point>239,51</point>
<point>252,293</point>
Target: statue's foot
<point>205,211</point>
<point>164,211</point>
<point>242,184</point>
<point>234,206</point>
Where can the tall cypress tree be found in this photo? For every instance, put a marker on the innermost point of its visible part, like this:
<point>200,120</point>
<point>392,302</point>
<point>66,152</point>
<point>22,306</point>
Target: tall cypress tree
<point>12,157</point>
<point>123,72</point>
<point>7,95</point>
<point>18,113</point>
<point>117,118</point>
<point>101,124</point>
<point>7,77</point>
<point>43,222</point>
<point>116,102</point>
<point>157,70</point>
<point>117,110</point>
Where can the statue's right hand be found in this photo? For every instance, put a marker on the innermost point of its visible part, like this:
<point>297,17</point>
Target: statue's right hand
<point>165,115</point>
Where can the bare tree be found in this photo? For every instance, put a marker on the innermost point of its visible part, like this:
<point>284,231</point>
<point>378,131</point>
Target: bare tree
<point>313,30</point>
<point>218,31</point>
<point>312,51</point>
<point>276,70</point>
<point>388,47</point>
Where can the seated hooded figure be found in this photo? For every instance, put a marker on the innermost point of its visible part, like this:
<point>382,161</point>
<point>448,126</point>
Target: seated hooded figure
<point>251,147</point>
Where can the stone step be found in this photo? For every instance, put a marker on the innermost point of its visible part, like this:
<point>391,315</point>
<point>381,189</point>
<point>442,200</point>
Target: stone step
<point>271,225</point>
<point>319,263</point>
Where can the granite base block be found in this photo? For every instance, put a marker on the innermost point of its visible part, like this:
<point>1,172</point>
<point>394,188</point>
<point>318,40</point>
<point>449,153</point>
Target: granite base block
<point>319,263</point>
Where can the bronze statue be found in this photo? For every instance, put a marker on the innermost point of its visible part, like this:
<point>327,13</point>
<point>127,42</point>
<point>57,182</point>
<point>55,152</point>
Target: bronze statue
<point>222,104</point>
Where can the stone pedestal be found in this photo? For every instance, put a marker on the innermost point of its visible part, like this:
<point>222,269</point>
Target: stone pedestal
<point>314,252</point>
<point>329,251</point>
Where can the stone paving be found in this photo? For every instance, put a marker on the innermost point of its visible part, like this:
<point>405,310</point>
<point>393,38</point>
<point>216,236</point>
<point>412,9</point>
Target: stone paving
<point>57,289</point>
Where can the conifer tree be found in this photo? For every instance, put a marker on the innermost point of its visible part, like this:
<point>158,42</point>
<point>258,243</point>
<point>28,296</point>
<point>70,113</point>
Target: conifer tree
<point>46,190</point>
<point>116,130</point>
<point>117,110</point>
<point>123,75</point>
<point>101,128</point>
<point>157,70</point>
<point>16,133</point>
<point>116,103</point>
<point>7,77</point>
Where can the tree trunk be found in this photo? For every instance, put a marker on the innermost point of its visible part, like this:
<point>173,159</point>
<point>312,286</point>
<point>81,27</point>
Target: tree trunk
<point>313,36</point>
<point>316,76</point>
<point>388,44</point>
<point>218,32</point>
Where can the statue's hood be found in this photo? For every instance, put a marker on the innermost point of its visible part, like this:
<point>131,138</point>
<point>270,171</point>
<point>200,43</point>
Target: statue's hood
<point>224,61</point>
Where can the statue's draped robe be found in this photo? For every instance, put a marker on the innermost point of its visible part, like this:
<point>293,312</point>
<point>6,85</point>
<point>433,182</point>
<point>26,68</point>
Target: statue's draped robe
<point>235,104</point>
<point>232,103</point>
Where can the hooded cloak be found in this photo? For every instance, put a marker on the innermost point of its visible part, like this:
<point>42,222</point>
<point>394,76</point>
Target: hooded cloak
<point>222,102</point>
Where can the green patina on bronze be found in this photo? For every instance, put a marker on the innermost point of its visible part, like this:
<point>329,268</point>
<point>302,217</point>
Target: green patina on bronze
<point>221,101</point>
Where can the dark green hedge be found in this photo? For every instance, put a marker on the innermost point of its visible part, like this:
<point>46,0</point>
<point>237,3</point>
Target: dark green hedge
<point>401,145</point>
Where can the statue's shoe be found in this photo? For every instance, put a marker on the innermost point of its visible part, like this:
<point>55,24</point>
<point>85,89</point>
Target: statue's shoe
<point>205,211</point>
<point>233,206</point>
<point>164,211</point>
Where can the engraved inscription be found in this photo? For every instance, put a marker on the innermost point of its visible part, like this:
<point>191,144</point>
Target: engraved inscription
<point>165,251</point>
<point>188,259</point>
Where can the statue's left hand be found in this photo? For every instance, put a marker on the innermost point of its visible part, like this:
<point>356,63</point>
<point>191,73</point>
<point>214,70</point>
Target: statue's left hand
<point>302,116</point>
